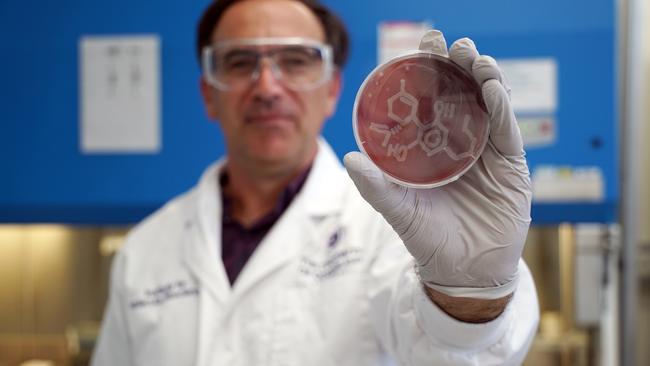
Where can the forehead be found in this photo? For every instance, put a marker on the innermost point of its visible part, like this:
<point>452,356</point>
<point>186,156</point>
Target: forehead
<point>268,18</point>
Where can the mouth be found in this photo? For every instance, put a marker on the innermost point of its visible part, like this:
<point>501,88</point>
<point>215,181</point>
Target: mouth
<point>268,119</point>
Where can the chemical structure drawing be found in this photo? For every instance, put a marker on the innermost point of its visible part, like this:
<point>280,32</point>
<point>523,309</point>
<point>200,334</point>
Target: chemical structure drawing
<point>431,137</point>
<point>409,100</point>
<point>472,143</point>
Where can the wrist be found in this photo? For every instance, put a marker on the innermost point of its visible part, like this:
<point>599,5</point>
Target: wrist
<point>468,309</point>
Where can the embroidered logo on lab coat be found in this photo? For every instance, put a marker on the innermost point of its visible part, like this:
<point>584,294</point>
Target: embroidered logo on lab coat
<point>163,293</point>
<point>331,260</point>
<point>334,238</point>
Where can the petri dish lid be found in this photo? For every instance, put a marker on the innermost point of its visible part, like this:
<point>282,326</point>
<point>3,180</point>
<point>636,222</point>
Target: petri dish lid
<point>421,119</point>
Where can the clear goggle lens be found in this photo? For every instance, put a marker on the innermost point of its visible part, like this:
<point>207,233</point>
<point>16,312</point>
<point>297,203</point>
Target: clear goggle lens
<point>299,64</point>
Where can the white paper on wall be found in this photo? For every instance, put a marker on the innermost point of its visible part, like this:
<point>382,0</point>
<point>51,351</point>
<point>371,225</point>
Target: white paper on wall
<point>533,82</point>
<point>120,94</point>
<point>399,37</point>
<point>537,131</point>
<point>553,183</point>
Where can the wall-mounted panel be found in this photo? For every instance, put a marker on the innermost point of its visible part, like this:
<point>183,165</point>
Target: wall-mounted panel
<point>46,177</point>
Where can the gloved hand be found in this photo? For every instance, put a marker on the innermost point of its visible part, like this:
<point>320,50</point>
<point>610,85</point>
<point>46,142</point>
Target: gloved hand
<point>466,236</point>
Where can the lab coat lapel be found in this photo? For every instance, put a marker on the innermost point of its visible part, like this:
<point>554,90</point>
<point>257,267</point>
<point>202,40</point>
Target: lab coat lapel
<point>320,197</point>
<point>202,250</point>
<point>279,246</point>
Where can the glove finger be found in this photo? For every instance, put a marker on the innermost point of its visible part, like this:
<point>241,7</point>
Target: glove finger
<point>504,130</point>
<point>485,68</point>
<point>371,183</point>
<point>464,52</point>
<point>433,41</point>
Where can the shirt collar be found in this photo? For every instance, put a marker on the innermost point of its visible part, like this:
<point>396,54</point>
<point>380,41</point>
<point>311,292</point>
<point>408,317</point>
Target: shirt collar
<point>284,200</point>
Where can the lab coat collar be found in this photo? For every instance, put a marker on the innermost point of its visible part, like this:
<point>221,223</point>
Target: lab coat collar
<point>325,184</point>
<point>202,250</point>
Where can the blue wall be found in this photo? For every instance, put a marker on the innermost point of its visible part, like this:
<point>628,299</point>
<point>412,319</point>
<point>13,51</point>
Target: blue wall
<point>45,178</point>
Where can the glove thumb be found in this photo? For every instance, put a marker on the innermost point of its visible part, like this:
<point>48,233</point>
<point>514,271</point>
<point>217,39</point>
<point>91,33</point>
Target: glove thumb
<point>383,195</point>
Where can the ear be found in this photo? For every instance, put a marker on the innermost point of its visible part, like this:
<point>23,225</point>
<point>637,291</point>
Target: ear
<point>334,92</point>
<point>209,102</point>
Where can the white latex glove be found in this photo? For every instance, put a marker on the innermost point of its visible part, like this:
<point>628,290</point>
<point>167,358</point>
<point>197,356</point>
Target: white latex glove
<point>466,236</point>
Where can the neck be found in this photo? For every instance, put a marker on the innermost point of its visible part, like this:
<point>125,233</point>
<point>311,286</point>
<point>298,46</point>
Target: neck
<point>255,192</point>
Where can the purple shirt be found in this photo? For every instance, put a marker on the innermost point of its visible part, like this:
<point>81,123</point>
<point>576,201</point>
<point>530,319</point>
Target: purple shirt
<point>238,242</point>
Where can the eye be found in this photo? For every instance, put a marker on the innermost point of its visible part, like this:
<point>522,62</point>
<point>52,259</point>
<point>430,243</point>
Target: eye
<point>238,61</point>
<point>296,58</point>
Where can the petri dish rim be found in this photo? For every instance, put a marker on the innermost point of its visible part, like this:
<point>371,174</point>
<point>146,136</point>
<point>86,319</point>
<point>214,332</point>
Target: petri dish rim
<point>390,177</point>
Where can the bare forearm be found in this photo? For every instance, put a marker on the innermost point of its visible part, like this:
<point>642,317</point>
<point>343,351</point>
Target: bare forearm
<point>468,309</point>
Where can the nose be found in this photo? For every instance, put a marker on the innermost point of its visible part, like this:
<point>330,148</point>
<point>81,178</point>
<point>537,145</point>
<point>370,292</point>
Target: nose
<point>267,85</point>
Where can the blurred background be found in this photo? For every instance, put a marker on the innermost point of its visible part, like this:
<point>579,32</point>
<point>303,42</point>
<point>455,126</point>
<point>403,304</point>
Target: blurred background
<point>103,123</point>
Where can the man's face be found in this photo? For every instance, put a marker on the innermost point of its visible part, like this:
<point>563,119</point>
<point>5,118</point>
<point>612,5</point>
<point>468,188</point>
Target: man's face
<point>268,125</point>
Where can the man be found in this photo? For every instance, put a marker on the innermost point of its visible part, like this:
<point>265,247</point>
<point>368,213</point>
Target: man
<point>434,278</point>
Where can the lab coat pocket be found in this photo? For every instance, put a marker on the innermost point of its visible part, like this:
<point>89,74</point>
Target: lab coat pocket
<point>155,311</point>
<point>324,313</point>
<point>143,320</point>
<point>297,337</point>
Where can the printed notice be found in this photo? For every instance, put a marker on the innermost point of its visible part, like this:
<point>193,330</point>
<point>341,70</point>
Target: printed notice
<point>568,184</point>
<point>120,94</point>
<point>537,131</point>
<point>533,83</point>
<point>399,37</point>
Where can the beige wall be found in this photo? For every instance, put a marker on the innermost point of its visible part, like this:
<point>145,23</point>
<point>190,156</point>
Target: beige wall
<point>49,278</point>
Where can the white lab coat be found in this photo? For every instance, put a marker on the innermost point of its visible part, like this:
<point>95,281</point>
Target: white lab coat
<point>331,284</point>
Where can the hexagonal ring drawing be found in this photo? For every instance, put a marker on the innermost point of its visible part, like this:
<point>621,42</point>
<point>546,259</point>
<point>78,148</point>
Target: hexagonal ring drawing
<point>433,138</point>
<point>404,97</point>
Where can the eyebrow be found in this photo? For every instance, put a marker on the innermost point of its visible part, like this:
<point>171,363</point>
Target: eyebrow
<point>240,51</point>
<point>246,52</point>
<point>234,53</point>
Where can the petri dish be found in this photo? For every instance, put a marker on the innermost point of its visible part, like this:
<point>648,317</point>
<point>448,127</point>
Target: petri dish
<point>421,119</point>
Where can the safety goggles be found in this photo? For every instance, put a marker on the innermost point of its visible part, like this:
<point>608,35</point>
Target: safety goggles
<point>298,63</point>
